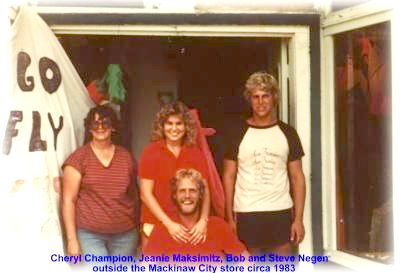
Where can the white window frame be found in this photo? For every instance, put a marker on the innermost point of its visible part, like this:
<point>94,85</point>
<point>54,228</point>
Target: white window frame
<point>297,37</point>
<point>284,76</point>
<point>335,23</point>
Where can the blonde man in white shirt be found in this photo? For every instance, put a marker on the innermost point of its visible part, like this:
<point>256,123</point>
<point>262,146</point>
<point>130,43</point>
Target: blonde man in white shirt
<point>262,174</point>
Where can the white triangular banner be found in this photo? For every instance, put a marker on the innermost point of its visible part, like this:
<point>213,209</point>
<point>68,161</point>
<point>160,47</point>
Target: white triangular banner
<point>47,104</point>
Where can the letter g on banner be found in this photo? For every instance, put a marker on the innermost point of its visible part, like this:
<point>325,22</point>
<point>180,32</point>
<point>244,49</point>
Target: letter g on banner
<point>24,60</point>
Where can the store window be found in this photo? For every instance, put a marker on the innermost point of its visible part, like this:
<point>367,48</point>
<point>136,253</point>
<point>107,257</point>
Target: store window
<point>363,142</point>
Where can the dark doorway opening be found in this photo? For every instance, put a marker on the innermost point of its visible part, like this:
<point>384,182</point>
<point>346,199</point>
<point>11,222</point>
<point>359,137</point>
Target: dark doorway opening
<point>206,73</point>
<point>212,74</point>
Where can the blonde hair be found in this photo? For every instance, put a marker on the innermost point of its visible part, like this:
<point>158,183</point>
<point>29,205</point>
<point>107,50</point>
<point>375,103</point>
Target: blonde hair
<point>170,109</point>
<point>191,174</point>
<point>263,81</point>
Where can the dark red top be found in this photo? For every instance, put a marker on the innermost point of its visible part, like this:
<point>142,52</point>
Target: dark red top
<point>103,204</point>
<point>159,164</point>
<point>220,240</point>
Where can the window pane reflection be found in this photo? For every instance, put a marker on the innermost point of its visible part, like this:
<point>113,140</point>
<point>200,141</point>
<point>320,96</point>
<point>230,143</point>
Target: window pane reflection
<point>363,141</point>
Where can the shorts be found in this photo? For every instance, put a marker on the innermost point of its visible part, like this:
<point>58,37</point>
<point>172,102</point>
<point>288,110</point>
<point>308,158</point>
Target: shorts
<point>147,229</point>
<point>264,229</point>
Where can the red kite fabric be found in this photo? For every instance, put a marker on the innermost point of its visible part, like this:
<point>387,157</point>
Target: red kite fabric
<point>96,96</point>
<point>215,184</point>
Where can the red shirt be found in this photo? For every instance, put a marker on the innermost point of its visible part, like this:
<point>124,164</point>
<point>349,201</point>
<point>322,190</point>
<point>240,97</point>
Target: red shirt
<point>159,164</point>
<point>103,204</point>
<point>220,241</point>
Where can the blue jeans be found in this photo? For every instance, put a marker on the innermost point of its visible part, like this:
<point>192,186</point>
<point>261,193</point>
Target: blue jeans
<point>100,244</point>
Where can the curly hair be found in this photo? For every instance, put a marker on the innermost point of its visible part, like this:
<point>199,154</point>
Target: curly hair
<point>104,112</point>
<point>263,81</point>
<point>190,174</point>
<point>176,108</point>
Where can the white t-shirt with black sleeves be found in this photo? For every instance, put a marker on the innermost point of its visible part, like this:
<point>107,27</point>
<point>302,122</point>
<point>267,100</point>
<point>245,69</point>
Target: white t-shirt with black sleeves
<point>262,155</point>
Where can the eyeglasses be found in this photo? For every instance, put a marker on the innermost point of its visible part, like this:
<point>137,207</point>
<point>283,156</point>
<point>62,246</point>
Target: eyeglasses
<point>104,123</point>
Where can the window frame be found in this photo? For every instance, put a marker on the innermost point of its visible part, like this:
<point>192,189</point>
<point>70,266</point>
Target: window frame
<point>336,23</point>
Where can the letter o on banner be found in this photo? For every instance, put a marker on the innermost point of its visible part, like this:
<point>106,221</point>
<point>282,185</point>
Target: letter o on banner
<point>50,85</point>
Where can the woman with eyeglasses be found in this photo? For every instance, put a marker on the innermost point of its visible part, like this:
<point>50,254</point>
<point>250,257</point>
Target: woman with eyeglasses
<point>98,200</point>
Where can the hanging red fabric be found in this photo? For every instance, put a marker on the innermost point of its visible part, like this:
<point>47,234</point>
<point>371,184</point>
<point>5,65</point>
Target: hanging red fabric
<point>377,71</point>
<point>215,184</point>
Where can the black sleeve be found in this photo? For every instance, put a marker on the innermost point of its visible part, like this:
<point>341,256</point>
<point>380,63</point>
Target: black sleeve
<point>295,148</point>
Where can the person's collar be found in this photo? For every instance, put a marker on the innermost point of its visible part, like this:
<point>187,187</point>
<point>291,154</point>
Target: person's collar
<point>163,145</point>
<point>262,126</point>
<point>189,220</point>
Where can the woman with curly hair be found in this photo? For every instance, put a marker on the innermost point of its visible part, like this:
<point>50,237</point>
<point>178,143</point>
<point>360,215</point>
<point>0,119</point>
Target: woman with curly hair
<point>173,147</point>
<point>98,199</point>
